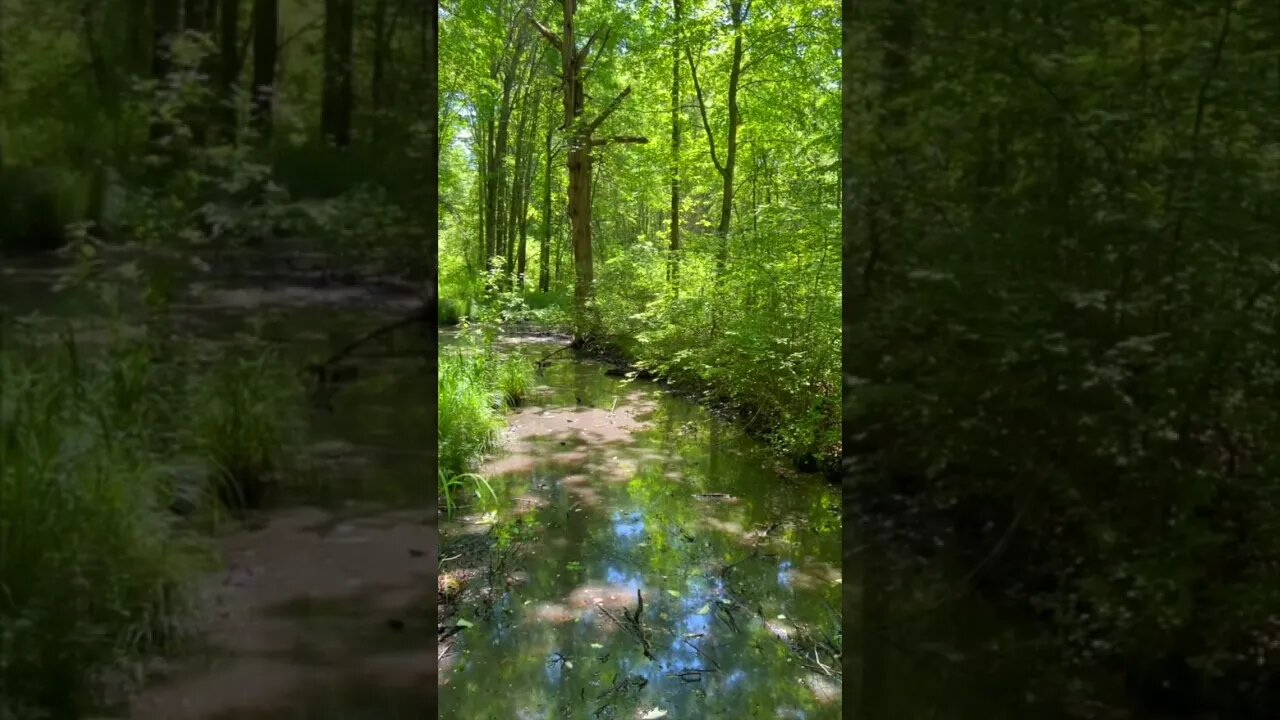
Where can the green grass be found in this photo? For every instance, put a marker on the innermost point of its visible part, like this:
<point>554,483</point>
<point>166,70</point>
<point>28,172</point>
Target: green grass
<point>95,568</point>
<point>515,379</point>
<point>243,419</point>
<point>93,571</point>
<point>473,389</point>
<point>468,416</point>
<point>451,311</point>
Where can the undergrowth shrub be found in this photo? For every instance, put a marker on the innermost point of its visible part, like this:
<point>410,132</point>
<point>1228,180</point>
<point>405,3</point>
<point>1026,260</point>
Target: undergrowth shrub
<point>769,349</point>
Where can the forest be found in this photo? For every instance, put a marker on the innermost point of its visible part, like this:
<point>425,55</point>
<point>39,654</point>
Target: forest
<point>1060,312</point>
<point>639,382</point>
<point>205,207</point>
<point>679,210</point>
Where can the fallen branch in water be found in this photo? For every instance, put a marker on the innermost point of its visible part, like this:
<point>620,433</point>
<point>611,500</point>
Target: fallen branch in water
<point>320,368</point>
<point>549,355</point>
<point>634,624</point>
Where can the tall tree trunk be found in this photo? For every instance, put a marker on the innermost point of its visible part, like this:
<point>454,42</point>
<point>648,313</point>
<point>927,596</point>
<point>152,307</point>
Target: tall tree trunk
<point>731,149</point>
<point>726,169</point>
<point>229,66</point>
<point>523,157</point>
<point>497,161</point>
<point>673,268</point>
<point>266,25</point>
<point>544,266</point>
<point>431,52</point>
<point>339,32</point>
<point>526,188</point>
<point>167,16</point>
<point>381,39</point>
<point>579,167</point>
<point>490,189</point>
<point>572,61</point>
<point>135,40</point>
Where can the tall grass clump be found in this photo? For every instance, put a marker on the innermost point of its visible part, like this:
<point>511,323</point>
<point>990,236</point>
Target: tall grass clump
<point>515,378</point>
<point>468,419</point>
<point>244,417</point>
<point>93,573</point>
<point>451,311</point>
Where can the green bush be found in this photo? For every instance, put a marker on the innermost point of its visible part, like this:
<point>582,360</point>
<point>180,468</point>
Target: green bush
<point>770,350</point>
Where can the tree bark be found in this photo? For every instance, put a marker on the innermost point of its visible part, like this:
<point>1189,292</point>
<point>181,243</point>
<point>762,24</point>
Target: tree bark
<point>266,22</point>
<point>544,275</point>
<point>526,189</point>
<point>198,17</point>
<point>498,164</point>
<point>135,37</point>
<point>884,206</point>
<point>490,176</point>
<point>3,94</point>
<point>336,106</point>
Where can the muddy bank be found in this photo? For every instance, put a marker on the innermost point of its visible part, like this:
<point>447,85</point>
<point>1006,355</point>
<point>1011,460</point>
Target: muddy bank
<point>315,608</point>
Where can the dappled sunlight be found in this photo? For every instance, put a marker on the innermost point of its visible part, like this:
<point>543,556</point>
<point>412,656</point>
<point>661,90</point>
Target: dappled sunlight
<point>613,597</point>
<point>812,576</point>
<point>550,612</point>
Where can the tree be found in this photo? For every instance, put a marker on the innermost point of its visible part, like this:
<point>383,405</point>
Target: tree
<point>339,34</point>
<point>581,142</point>
<point>737,15</point>
<point>266,19</point>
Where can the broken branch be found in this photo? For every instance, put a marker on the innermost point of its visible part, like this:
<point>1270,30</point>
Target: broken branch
<point>636,139</point>
<point>546,32</point>
<point>613,106</point>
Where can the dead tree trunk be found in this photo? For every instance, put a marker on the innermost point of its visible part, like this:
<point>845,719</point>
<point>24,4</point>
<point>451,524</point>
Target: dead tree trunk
<point>581,142</point>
